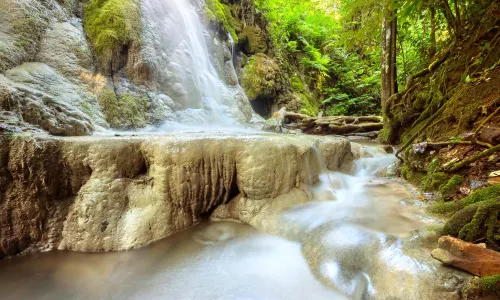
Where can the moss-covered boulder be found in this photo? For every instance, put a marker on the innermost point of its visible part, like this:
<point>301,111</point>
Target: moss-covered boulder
<point>474,217</point>
<point>113,27</point>
<point>261,77</point>
<point>253,40</point>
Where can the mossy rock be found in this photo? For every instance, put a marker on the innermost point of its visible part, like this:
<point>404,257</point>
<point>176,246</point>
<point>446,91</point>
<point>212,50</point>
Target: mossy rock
<point>489,193</point>
<point>447,189</point>
<point>261,77</point>
<point>482,288</point>
<point>411,175</point>
<point>219,14</point>
<point>127,111</point>
<point>253,40</point>
<point>112,25</point>
<point>474,217</point>
<point>434,179</point>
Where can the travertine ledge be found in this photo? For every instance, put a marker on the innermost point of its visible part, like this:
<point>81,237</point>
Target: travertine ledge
<point>117,193</point>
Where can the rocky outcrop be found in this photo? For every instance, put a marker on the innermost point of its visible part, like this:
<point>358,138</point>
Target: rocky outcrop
<point>267,86</point>
<point>73,69</point>
<point>104,194</point>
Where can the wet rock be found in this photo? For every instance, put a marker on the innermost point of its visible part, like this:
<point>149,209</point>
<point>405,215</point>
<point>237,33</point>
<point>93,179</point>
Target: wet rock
<point>388,149</point>
<point>473,258</point>
<point>58,193</point>
<point>41,96</point>
<point>276,122</point>
<point>22,26</point>
<point>230,73</point>
<point>64,48</point>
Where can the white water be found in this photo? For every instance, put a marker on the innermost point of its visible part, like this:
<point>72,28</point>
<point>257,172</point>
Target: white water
<point>175,43</point>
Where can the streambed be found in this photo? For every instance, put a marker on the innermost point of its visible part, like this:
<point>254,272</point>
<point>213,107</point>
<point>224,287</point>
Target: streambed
<point>362,237</point>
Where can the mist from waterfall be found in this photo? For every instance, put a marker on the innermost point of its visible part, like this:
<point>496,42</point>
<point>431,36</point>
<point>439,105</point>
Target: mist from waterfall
<point>175,42</point>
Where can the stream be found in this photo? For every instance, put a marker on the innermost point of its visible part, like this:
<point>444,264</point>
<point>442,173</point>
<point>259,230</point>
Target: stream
<point>363,237</point>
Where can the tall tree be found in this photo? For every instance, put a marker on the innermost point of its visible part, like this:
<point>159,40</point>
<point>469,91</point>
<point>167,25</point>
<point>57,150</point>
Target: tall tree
<point>389,39</point>
<point>432,50</point>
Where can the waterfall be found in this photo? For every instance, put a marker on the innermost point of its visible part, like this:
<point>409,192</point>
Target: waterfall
<point>175,45</point>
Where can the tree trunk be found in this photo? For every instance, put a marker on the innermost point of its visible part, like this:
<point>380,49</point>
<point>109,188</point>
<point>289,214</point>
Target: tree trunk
<point>389,37</point>
<point>451,19</point>
<point>458,20</point>
<point>432,50</point>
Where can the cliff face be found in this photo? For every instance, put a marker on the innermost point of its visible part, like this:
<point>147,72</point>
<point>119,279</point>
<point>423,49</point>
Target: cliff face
<point>103,194</point>
<point>67,67</point>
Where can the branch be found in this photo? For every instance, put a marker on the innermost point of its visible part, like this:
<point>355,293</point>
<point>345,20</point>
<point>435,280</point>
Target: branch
<point>468,161</point>
<point>485,121</point>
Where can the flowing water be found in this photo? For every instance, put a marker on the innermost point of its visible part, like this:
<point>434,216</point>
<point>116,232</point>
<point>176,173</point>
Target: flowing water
<point>358,239</point>
<point>175,42</point>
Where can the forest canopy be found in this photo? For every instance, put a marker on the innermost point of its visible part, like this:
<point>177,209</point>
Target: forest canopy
<point>336,44</point>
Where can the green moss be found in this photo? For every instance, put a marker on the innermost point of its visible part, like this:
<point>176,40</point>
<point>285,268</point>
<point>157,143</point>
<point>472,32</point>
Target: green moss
<point>490,284</point>
<point>421,100</point>
<point>219,13</point>
<point>434,179</point>
<point>128,111</point>
<point>449,188</point>
<point>470,231</point>
<point>482,287</point>
<point>411,175</point>
<point>261,77</point>
<point>112,24</point>
<point>491,193</point>
<point>253,40</point>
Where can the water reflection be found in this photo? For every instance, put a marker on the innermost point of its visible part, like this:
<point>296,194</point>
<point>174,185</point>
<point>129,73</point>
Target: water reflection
<point>221,260</point>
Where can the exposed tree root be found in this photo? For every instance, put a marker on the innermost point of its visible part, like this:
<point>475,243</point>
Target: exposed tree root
<point>416,134</point>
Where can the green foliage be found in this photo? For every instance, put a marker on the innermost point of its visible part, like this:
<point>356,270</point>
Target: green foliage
<point>344,77</point>
<point>128,111</point>
<point>112,24</point>
<point>220,14</point>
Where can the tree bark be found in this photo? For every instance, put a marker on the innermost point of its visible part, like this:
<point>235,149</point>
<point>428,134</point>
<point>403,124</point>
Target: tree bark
<point>389,38</point>
<point>432,50</point>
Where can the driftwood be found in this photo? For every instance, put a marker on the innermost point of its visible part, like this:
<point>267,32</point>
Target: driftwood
<point>340,125</point>
<point>473,258</point>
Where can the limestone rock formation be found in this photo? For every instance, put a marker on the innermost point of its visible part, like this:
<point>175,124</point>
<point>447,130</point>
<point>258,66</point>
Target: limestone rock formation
<point>103,194</point>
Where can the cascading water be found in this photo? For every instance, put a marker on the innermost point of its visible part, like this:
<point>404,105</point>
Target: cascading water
<point>175,43</point>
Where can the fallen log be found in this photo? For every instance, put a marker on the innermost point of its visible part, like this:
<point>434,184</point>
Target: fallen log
<point>292,116</point>
<point>339,125</point>
<point>350,128</point>
<point>473,258</point>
